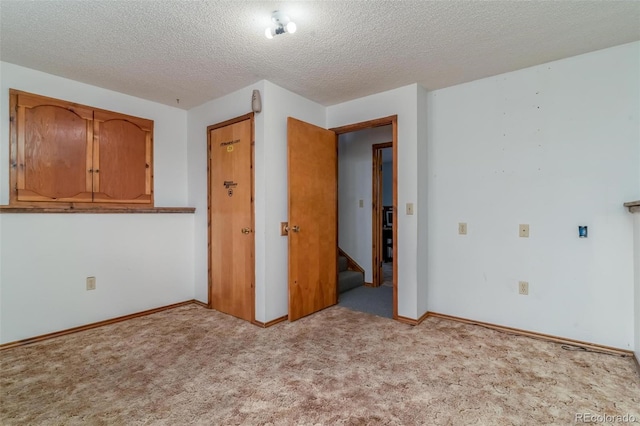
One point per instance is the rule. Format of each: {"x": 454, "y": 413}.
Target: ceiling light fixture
{"x": 282, "y": 25}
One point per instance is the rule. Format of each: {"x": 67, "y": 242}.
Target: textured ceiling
{"x": 197, "y": 51}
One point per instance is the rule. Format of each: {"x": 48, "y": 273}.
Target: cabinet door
{"x": 122, "y": 159}
{"x": 54, "y": 150}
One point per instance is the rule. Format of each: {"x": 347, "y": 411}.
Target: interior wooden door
{"x": 313, "y": 218}
{"x": 231, "y": 236}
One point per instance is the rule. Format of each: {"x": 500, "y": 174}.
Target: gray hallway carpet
{"x": 372, "y": 300}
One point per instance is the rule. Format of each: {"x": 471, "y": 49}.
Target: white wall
{"x": 636, "y": 323}
{"x": 554, "y": 146}
{"x": 355, "y": 184}
{"x": 141, "y": 261}
{"x": 270, "y": 185}
{"x": 426, "y": 162}
{"x": 233, "y": 105}
{"x": 278, "y": 105}
{"x": 402, "y": 102}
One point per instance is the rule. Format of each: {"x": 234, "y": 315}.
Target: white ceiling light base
{"x": 282, "y": 25}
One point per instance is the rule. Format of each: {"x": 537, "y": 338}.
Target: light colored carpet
{"x": 190, "y": 365}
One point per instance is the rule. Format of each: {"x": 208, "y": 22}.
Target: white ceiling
{"x": 200, "y": 50}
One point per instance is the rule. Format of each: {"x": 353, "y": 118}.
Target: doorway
{"x": 230, "y": 179}
{"x": 310, "y": 287}
{"x": 382, "y": 192}
{"x": 372, "y": 254}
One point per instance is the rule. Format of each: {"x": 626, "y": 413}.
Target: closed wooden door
{"x": 313, "y": 218}
{"x": 231, "y": 240}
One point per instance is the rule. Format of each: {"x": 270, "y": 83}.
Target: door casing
{"x": 377, "y": 219}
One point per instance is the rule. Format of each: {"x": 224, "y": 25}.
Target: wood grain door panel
{"x": 231, "y": 219}
{"x": 313, "y": 207}
{"x": 54, "y": 154}
{"x": 121, "y": 159}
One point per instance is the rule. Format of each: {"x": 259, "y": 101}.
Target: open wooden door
{"x": 313, "y": 218}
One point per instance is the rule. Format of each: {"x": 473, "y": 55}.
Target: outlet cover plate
{"x": 523, "y": 287}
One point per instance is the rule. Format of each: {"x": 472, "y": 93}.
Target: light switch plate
{"x": 523, "y": 229}
{"x": 409, "y": 208}
{"x": 462, "y": 228}
{"x": 361, "y": 203}
{"x": 91, "y": 283}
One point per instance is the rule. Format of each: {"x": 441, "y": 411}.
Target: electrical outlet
{"x": 462, "y": 228}
{"x": 91, "y": 283}
{"x": 523, "y": 287}
{"x": 524, "y": 230}
{"x": 409, "y": 209}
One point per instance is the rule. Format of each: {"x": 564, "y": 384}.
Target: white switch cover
{"x": 462, "y": 228}
{"x": 409, "y": 208}
{"x": 524, "y": 230}
{"x": 361, "y": 203}
{"x": 91, "y": 283}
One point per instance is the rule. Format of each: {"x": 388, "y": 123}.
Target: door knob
{"x": 295, "y": 228}
{"x": 246, "y": 230}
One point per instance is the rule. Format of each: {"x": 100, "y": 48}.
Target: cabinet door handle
{"x": 246, "y": 230}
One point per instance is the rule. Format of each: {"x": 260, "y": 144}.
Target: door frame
{"x": 249, "y": 116}
{"x": 377, "y": 219}
{"x": 385, "y": 121}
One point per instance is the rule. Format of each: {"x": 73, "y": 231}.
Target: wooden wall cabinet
{"x": 64, "y": 153}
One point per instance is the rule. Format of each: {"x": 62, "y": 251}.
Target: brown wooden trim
{"x": 270, "y": 323}
{"x": 252, "y": 164}
{"x": 376, "y": 216}
{"x": 13, "y": 146}
{"x": 106, "y": 210}
{"x": 93, "y": 325}
{"x": 376, "y": 220}
{"x": 412, "y": 321}
{"x": 199, "y": 303}
{"x": 394, "y": 232}
{"x": 384, "y": 121}
{"x": 635, "y": 358}
{"x": 226, "y": 123}
{"x": 366, "y": 284}
{"x": 536, "y": 335}
{"x": 352, "y": 265}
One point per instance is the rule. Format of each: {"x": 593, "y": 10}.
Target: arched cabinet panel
{"x": 64, "y": 153}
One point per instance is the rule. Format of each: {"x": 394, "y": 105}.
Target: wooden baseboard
{"x": 204, "y": 305}
{"x": 562, "y": 340}
{"x": 95, "y": 325}
{"x": 635, "y": 358}
{"x": 412, "y": 321}
{"x": 270, "y": 323}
